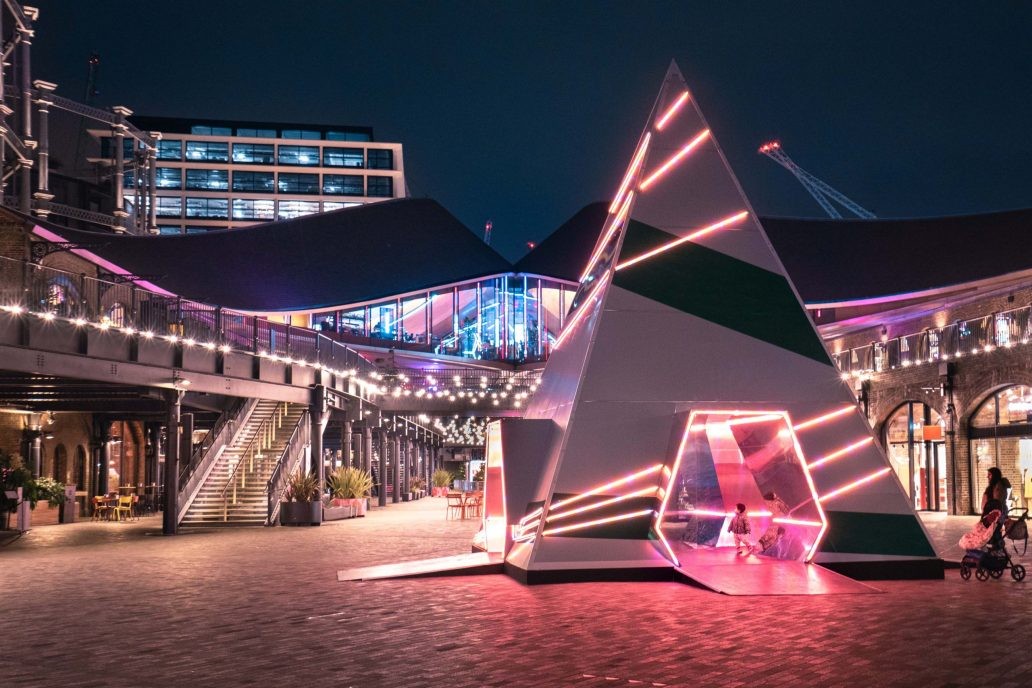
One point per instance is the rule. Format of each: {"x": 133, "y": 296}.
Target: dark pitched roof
{"x": 565, "y": 252}
{"x": 844, "y": 260}
{"x": 344, "y": 256}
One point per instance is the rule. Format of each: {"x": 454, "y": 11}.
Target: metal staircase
{"x": 234, "y": 491}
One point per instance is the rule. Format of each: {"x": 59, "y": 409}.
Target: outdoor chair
{"x": 456, "y": 505}
{"x": 101, "y": 509}
{"x": 124, "y": 507}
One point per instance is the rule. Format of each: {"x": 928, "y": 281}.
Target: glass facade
{"x": 253, "y": 209}
{"x": 254, "y": 182}
{"x": 291, "y": 209}
{"x": 343, "y": 185}
{"x": 207, "y": 180}
{"x": 343, "y": 157}
{"x": 170, "y": 149}
{"x": 380, "y": 186}
{"x": 495, "y": 318}
{"x": 381, "y": 159}
{"x": 1001, "y": 436}
{"x": 207, "y": 151}
{"x": 914, "y": 442}
{"x": 213, "y": 208}
{"x": 254, "y": 153}
{"x": 169, "y": 206}
{"x": 169, "y": 178}
{"x": 291, "y": 183}
{"x": 298, "y": 155}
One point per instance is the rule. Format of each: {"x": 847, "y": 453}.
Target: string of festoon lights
{"x": 506, "y": 389}
{"x": 866, "y": 374}
{"x": 463, "y": 431}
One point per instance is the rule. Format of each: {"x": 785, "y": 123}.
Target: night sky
{"x": 523, "y": 112}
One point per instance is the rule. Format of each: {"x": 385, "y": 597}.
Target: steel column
{"x": 170, "y": 521}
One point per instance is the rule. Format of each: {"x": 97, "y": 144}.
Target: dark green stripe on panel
{"x": 719, "y": 288}
{"x": 866, "y": 533}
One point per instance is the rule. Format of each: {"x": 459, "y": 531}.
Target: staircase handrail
{"x": 233, "y": 417}
{"x": 236, "y": 478}
{"x": 277, "y": 481}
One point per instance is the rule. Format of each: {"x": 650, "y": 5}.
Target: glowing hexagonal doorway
{"x": 748, "y": 457}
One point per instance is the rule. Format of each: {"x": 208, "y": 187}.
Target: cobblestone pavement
{"x": 113, "y": 604}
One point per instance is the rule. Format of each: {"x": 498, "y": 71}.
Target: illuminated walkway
{"x": 240, "y": 607}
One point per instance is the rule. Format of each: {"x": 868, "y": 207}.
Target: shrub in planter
{"x": 301, "y": 505}
{"x": 440, "y": 480}
{"x": 350, "y": 486}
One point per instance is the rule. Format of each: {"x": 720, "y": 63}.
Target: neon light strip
{"x": 797, "y": 522}
{"x": 671, "y": 111}
{"x": 426, "y": 302}
{"x": 635, "y": 163}
{"x": 588, "y": 524}
{"x": 678, "y": 157}
{"x": 670, "y": 551}
{"x": 614, "y": 225}
{"x": 841, "y": 452}
{"x": 733, "y": 219}
{"x": 533, "y": 514}
{"x": 849, "y": 487}
{"x": 600, "y": 488}
{"x": 821, "y": 419}
{"x": 755, "y": 419}
{"x": 524, "y": 527}
{"x": 572, "y": 324}
{"x": 673, "y": 474}
{"x": 598, "y": 505}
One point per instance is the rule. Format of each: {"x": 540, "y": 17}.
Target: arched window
{"x": 116, "y": 315}
{"x": 1001, "y": 436}
{"x": 61, "y": 297}
{"x": 914, "y": 442}
{"x": 60, "y": 464}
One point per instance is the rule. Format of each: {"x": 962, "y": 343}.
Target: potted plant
{"x": 441, "y": 479}
{"x": 417, "y": 486}
{"x": 14, "y": 480}
{"x": 351, "y": 487}
{"x": 301, "y": 503}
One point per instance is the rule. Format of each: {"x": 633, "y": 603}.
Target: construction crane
{"x": 488, "y": 226}
{"x": 821, "y": 192}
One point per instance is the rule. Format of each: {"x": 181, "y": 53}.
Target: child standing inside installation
{"x": 739, "y": 526}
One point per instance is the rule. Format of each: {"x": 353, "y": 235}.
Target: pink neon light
{"x": 671, "y": 111}
{"x": 670, "y": 550}
{"x": 598, "y": 505}
{"x": 635, "y": 163}
{"x": 841, "y": 452}
{"x": 798, "y": 522}
{"x": 849, "y": 487}
{"x": 678, "y": 157}
{"x": 727, "y": 221}
{"x": 533, "y": 514}
{"x": 614, "y": 225}
{"x": 579, "y": 315}
{"x": 596, "y": 522}
{"x": 746, "y": 420}
{"x": 601, "y": 488}
{"x": 822, "y": 419}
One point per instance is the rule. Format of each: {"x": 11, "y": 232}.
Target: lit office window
{"x": 207, "y": 180}
{"x": 170, "y": 149}
{"x": 327, "y": 206}
{"x": 169, "y": 229}
{"x": 257, "y": 133}
{"x": 107, "y": 148}
{"x": 169, "y": 206}
{"x": 253, "y": 209}
{"x": 301, "y": 134}
{"x": 198, "y": 230}
{"x": 254, "y": 153}
{"x": 129, "y": 179}
{"x": 169, "y": 178}
{"x": 347, "y": 136}
{"x": 256, "y": 182}
{"x": 298, "y": 155}
{"x": 291, "y": 209}
{"x": 207, "y": 151}
{"x": 343, "y": 185}
{"x": 380, "y": 158}
{"x": 380, "y": 187}
{"x": 211, "y": 208}
{"x": 201, "y": 130}
{"x": 289, "y": 183}
{"x": 343, "y": 157}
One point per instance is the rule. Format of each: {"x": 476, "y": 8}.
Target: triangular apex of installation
{"x": 687, "y": 356}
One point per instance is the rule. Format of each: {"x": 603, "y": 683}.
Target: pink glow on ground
{"x": 726, "y": 222}
{"x": 677, "y": 157}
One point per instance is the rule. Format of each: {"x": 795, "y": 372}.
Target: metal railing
{"x": 133, "y": 308}
{"x": 1004, "y": 329}
{"x": 263, "y": 437}
{"x": 241, "y": 408}
{"x": 294, "y": 449}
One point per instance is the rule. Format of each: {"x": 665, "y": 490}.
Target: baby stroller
{"x": 1015, "y": 529}
{"x": 991, "y": 559}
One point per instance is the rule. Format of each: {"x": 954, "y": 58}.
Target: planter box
{"x": 300, "y": 513}
{"x": 406, "y": 496}
{"x": 439, "y": 492}
{"x": 336, "y": 513}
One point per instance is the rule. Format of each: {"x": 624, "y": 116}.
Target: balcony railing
{"x": 127, "y": 306}
{"x": 1005, "y": 329}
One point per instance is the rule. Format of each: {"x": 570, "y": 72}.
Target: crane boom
{"x": 821, "y": 191}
